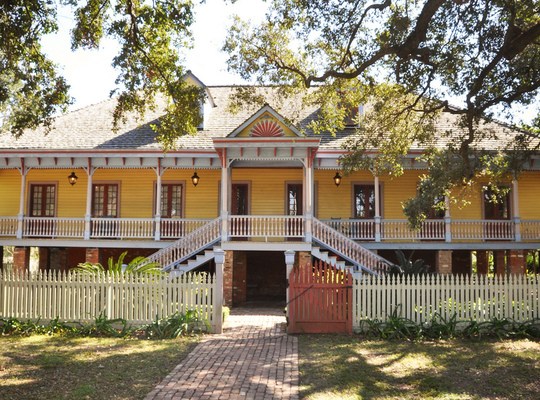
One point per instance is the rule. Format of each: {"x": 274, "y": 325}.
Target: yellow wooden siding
{"x": 10, "y": 181}
{"x": 70, "y": 200}
{"x": 267, "y": 187}
{"x": 395, "y": 191}
{"x": 529, "y": 195}
{"x": 337, "y": 202}
{"x": 201, "y": 201}
{"x": 267, "y": 192}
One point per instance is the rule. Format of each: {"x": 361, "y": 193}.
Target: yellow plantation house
{"x": 249, "y": 183}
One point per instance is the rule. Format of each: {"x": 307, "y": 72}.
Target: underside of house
{"x": 250, "y": 183}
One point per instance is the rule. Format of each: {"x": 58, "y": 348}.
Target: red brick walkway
{"x": 253, "y": 359}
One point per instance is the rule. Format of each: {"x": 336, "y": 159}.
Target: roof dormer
{"x": 208, "y": 103}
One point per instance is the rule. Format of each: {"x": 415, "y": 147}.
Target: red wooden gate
{"x": 320, "y": 299}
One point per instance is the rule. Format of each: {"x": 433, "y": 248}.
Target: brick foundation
{"x": 516, "y": 262}
{"x": 58, "y": 257}
{"x": 444, "y": 262}
{"x": 228, "y": 278}
{"x": 92, "y": 255}
{"x": 499, "y": 258}
{"x": 43, "y": 258}
{"x": 239, "y": 278}
{"x": 482, "y": 262}
{"x": 21, "y": 258}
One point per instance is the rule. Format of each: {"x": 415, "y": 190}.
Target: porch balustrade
{"x": 8, "y": 226}
{"x": 484, "y": 229}
{"x": 268, "y": 227}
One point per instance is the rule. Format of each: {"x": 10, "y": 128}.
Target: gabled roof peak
{"x": 265, "y": 128}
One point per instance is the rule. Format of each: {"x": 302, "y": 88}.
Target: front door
{"x": 240, "y": 206}
{"x": 295, "y": 207}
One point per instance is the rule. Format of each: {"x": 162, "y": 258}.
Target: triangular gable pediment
{"x": 266, "y": 122}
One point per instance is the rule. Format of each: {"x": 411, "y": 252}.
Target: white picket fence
{"x": 71, "y": 296}
{"x": 469, "y": 297}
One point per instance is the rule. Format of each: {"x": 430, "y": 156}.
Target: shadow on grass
{"x": 42, "y": 367}
{"x": 347, "y": 367}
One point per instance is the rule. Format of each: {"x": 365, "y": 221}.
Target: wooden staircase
{"x": 196, "y": 248}
{"x": 360, "y": 258}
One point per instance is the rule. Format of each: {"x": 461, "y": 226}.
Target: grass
{"x": 342, "y": 367}
{"x": 56, "y": 367}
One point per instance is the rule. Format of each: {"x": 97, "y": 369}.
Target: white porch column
{"x": 447, "y": 220}
{"x": 308, "y": 196}
{"x": 22, "y": 201}
{"x": 289, "y": 262}
{"x": 225, "y": 189}
{"x": 157, "y": 216}
{"x": 219, "y": 258}
{"x": 515, "y": 208}
{"x": 88, "y": 213}
{"x": 377, "y": 210}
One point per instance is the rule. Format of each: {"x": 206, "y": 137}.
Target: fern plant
{"x": 406, "y": 265}
{"x": 139, "y": 265}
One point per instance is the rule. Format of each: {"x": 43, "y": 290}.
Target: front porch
{"x": 268, "y": 228}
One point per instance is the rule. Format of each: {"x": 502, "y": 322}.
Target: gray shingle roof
{"x": 91, "y": 127}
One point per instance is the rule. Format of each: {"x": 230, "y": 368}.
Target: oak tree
{"x": 408, "y": 62}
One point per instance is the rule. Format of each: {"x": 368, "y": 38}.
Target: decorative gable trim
{"x": 266, "y": 127}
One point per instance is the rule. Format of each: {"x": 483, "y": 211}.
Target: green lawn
{"x": 331, "y": 367}
{"x": 54, "y": 367}
{"x": 341, "y": 367}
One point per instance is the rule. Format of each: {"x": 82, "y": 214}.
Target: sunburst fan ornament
{"x": 266, "y": 128}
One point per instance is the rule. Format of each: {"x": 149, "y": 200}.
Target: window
{"x": 42, "y": 200}
{"x": 105, "y": 200}
{"x": 364, "y": 201}
{"x": 496, "y": 205}
{"x": 171, "y": 200}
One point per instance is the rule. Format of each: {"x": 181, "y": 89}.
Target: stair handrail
{"x": 349, "y": 249}
{"x": 187, "y": 246}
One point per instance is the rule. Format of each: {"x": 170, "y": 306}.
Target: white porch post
{"x": 515, "y": 208}
{"x": 22, "y": 201}
{"x": 447, "y": 220}
{"x": 219, "y": 258}
{"x": 377, "y": 210}
{"x": 289, "y": 262}
{"x": 308, "y": 196}
{"x": 88, "y": 214}
{"x": 157, "y": 216}
{"x": 224, "y": 209}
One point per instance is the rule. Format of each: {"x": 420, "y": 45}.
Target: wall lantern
{"x": 337, "y": 179}
{"x": 195, "y": 179}
{"x": 72, "y": 178}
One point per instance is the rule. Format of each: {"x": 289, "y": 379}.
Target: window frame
{"x": 118, "y": 198}
{"x": 30, "y": 207}
{"x": 183, "y": 197}
{"x": 353, "y": 199}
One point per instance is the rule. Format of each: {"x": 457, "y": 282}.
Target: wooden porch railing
{"x": 53, "y": 227}
{"x": 393, "y": 229}
{"x": 8, "y": 226}
{"x": 189, "y": 245}
{"x": 349, "y": 249}
{"x": 266, "y": 226}
{"x": 484, "y": 229}
{"x": 530, "y": 229}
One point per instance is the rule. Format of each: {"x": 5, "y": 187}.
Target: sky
{"x": 91, "y": 77}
